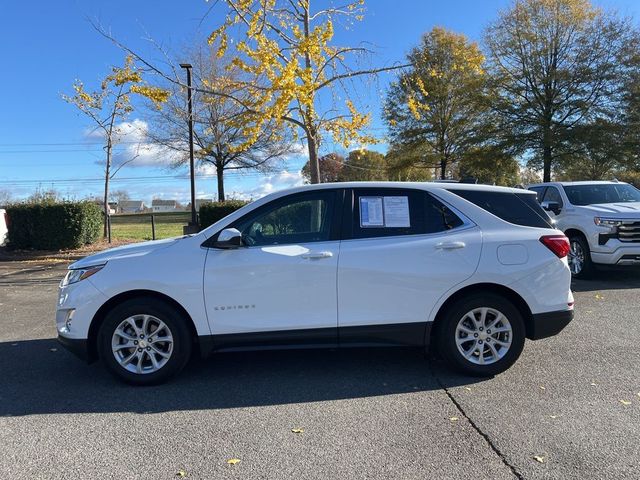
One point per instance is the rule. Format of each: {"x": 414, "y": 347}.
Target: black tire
{"x": 446, "y": 335}
{"x": 579, "y": 242}
{"x": 180, "y": 351}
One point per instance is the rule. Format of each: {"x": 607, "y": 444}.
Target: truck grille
{"x": 629, "y": 231}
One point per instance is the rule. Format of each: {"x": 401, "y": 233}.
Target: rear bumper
{"x": 77, "y": 346}
{"x": 547, "y": 324}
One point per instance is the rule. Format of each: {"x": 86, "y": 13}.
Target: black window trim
{"x": 349, "y": 212}
{"x": 335, "y": 232}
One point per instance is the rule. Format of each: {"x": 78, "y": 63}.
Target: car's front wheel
{"x": 482, "y": 335}
{"x": 144, "y": 341}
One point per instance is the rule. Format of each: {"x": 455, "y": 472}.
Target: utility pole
{"x": 193, "y": 225}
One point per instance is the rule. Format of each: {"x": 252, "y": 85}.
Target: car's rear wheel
{"x": 144, "y": 341}
{"x": 579, "y": 257}
{"x": 481, "y": 335}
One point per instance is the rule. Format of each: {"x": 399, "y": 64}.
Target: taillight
{"x": 558, "y": 244}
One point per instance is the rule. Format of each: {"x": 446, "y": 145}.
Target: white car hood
{"x": 126, "y": 251}
{"x": 619, "y": 210}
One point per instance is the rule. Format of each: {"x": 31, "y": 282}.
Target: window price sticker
{"x": 396, "y": 212}
{"x": 386, "y": 212}
{"x": 371, "y": 212}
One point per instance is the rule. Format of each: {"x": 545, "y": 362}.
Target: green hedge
{"x": 210, "y": 213}
{"x": 53, "y": 226}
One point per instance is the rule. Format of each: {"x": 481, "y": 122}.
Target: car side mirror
{"x": 228, "y": 238}
{"x": 552, "y": 207}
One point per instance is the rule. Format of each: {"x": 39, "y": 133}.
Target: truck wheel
{"x": 579, "y": 258}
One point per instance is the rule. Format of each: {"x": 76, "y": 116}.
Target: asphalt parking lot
{"x": 570, "y": 408}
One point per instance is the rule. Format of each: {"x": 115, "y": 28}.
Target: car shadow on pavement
{"x": 40, "y": 377}
{"x": 609, "y": 279}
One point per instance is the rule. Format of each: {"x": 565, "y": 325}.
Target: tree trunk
{"x": 220, "y": 178}
{"x": 314, "y": 165}
{"x": 443, "y": 168}
{"x": 546, "y": 151}
{"x": 107, "y": 171}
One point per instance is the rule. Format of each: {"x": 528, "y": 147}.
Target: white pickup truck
{"x": 601, "y": 219}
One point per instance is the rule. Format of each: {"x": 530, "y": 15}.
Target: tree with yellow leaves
{"x": 216, "y": 138}
{"x": 110, "y": 104}
{"x": 434, "y": 109}
{"x": 287, "y": 49}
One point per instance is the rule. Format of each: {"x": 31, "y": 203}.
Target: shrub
{"x": 53, "y": 226}
{"x": 210, "y": 213}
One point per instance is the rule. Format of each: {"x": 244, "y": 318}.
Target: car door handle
{"x": 316, "y": 255}
{"x": 450, "y": 245}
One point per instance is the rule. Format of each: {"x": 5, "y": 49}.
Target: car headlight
{"x": 607, "y": 222}
{"x": 77, "y": 274}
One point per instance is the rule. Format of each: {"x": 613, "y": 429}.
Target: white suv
{"x": 472, "y": 270}
{"x": 601, "y": 219}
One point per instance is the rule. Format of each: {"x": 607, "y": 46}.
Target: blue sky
{"x": 46, "y": 45}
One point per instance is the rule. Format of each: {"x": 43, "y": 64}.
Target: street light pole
{"x": 193, "y": 225}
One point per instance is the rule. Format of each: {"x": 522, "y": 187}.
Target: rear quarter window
{"x": 517, "y": 208}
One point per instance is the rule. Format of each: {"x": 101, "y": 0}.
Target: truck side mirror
{"x": 552, "y": 207}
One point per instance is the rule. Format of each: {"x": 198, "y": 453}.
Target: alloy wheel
{"x": 142, "y": 344}
{"x": 576, "y": 257}
{"x": 483, "y": 336}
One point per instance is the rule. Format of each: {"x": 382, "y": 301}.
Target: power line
{"x": 141, "y": 180}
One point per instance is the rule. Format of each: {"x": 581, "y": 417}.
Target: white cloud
{"x": 270, "y": 184}
{"x": 131, "y": 142}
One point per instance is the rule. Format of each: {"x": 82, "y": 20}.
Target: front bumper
{"x": 627, "y": 254}
{"x": 77, "y": 346}
{"x": 547, "y": 324}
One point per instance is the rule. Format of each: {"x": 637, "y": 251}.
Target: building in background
{"x": 158, "y": 205}
{"x": 131, "y": 206}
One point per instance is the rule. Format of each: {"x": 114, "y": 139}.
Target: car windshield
{"x": 602, "y": 193}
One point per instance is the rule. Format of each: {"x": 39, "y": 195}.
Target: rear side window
{"x": 389, "y": 212}
{"x": 517, "y": 208}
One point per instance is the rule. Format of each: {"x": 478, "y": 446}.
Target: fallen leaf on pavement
{"x": 181, "y": 474}
{"x": 593, "y": 384}
{"x": 625, "y": 402}
{"x": 542, "y": 388}
{"x": 553, "y": 416}
{"x": 538, "y": 458}
{"x": 233, "y": 461}
{"x": 297, "y": 430}
{"x": 454, "y": 419}
{"x": 467, "y": 388}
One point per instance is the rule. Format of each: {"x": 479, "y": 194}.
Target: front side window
{"x": 391, "y": 212}
{"x": 539, "y": 192}
{"x": 553, "y": 195}
{"x": 301, "y": 219}
{"x": 601, "y": 193}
